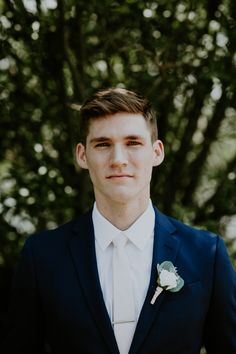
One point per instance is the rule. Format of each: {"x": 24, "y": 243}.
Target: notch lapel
{"x": 82, "y": 248}
{"x": 165, "y": 249}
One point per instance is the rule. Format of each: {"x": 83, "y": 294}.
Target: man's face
{"x": 120, "y": 155}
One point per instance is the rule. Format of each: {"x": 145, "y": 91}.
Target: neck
{"x": 123, "y": 215}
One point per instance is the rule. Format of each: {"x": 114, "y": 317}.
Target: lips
{"x": 119, "y": 175}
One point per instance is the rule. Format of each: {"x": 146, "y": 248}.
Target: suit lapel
{"x": 82, "y": 247}
{"x": 165, "y": 248}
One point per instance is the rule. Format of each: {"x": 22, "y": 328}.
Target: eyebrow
{"x": 104, "y": 138}
{"x": 134, "y": 137}
{"x": 99, "y": 139}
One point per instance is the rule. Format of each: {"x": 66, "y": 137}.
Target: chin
{"x": 121, "y": 197}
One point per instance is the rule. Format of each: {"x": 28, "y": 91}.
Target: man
{"x": 78, "y": 291}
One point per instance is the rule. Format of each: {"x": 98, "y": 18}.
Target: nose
{"x": 119, "y": 157}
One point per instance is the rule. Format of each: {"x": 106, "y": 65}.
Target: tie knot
{"x": 120, "y": 241}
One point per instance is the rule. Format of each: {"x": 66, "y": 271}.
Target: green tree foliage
{"x": 55, "y": 53}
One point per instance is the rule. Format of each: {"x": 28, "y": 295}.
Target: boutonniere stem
{"x": 156, "y": 294}
{"x": 168, "y": 279}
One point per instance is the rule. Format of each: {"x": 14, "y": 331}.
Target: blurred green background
{"x": 54, "y": 54}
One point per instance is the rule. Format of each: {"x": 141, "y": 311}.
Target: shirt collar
{"x": 138, "y": 233}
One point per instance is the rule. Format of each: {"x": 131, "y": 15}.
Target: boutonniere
{"x": 168, "y": 279}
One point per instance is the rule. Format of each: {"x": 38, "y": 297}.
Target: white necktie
{"x": 123, "y": 298}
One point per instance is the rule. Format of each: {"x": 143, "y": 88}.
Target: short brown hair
{"x": 114, "y": 100}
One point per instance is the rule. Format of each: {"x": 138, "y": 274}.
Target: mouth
{"x": 119, "y": 176}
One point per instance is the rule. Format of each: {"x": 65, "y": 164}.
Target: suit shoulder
{"x": 195, "y": 241}
{"x": 51, "y": 235}
{"x": 186, "y": 232}
{"x": 60, "y": 234}
{"x": 191, "y": 230}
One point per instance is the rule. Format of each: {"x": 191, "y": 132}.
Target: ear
{"x": 81, "y": 156}
{"x": 158, "y": 151}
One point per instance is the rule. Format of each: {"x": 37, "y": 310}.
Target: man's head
{"x": 120, "y": 146}
{"x": 116, "y": 100}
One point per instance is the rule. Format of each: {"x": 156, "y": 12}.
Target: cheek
{"x": 145, "y": 167}
{"x": 94, "y": 162}
{"x": 144, "y": 161}
{"x": 96, "y": 168}
{"x": 94, "y": 176}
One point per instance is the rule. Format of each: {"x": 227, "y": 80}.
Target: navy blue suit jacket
{"x": 57, "y": 300}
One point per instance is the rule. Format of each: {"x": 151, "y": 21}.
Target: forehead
{"x": 119, "y": 125}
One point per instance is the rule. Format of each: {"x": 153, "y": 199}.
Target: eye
{"x": 104, "y": 144}
{"x": 133, "y": 143}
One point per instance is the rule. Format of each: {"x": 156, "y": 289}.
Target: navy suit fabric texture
{"x": 57, "y": 305}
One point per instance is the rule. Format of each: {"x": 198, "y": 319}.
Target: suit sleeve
{"x": 23, "y": 333}
{"x": 220, "y": 329}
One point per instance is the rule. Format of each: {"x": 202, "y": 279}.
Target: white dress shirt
{"x": 139, "y": 249}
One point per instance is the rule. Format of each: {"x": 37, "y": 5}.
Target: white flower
{"x": 168, "y": 280}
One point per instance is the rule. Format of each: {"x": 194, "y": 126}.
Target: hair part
{"x": 113, "y": 100}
